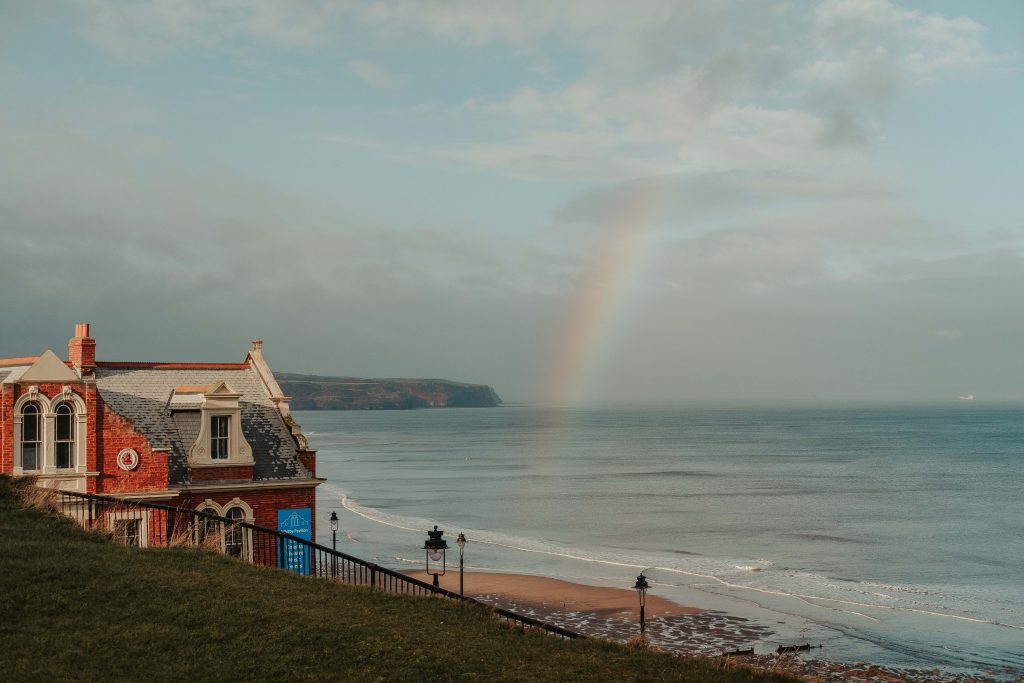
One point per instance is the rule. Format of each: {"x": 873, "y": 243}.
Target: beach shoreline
{"x": 613, "y": 614}
{"x": 606, "y": 612}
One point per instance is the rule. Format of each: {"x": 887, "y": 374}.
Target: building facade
{"x": 211, "y": 436}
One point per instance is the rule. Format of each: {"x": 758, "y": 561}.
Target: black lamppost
{"x": 641, "y": 590}
{"x": 461, "y": 542}
{"x": 435, "y": 547}
{"x": 334, "y": 542}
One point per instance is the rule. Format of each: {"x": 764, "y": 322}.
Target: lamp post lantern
{"x": 435, "y": 548}
{"x": 461, "y": 542}
{"x": 641, "y": 590}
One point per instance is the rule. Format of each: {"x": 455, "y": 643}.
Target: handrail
{"x": 268, "y": 547}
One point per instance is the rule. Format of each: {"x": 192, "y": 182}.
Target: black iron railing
{"x": 154, "y": 525}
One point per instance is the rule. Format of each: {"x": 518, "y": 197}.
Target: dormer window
{"x": 220, "y": 436}
{"x": 31, "y": 436}
{"x": 220, "y": 440}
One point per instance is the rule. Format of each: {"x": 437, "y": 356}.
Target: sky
{"x": 577, "y": 201}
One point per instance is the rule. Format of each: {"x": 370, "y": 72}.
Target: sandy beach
{"x": 612, "y": 613}
{"x": 544, "y": 593}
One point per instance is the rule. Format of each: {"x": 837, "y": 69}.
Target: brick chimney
{"x": 82, "y": 350}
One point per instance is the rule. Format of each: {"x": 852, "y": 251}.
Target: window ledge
{"x": 223, "y": 463}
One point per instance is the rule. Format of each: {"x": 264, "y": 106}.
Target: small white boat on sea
{"x": 968, "y": 397}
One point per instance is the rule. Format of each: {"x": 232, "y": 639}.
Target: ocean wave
{"x": 742, "y": 576}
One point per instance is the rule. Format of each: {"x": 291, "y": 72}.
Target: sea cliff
{"x": 312, "y": 392}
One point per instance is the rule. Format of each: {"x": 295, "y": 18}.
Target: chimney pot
{"x": 257, "y": 344}
{"x": 82, "y": 349}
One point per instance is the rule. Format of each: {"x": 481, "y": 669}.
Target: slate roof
{"x": 142, "y": 395}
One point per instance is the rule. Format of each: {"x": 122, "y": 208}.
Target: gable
{"x": 49, "y": 368}
{"x": 221, "y": 389}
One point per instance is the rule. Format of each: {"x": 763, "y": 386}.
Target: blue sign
{"x": 291, "y": 555}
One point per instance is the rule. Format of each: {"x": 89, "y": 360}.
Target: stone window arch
{"x": 238, "y": 539}
{"x": 229, "y": 538}
{"x": 206, "y": 531}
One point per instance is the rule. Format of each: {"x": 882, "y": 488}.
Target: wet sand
{"x": 613, "y": 614}
{"x": 543, "y": 593}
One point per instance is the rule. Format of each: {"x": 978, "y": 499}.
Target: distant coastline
{"x": 314, "y": 392}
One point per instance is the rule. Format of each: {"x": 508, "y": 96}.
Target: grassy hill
{"x": 75, "y": 606}
{"x": 313, "y": 392}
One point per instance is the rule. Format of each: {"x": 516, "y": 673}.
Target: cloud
{"x": 142, "y": 31}
{"x": 547, "y": 155}
{"x": 674, "y": 86}
{"x": 861, "y": 38}
{"x": 693, "y": 198}
{"x": 783, "y": 261}
{"x": 375, "y": 75}
{"x": 831, "y": 296}
{"x": 146, "y": 256}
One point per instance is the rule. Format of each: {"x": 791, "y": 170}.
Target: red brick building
{"x": 211, "y": 436}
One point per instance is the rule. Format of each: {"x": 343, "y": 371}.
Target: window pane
{"x": 30, "y": 423}
{"x": 219, "y": 425}
{"x": 207, "y": 530}
{"x": 64, "y": 460}
{"x": 29, "y": 456}
{"x": 128, "y": 531}
{"x": 233, "y": 541}
{"x": 65, "y": 422}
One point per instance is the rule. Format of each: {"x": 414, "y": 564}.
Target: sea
{"x": 892, "y": 535}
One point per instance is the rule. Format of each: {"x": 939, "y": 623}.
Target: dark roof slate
{"x": 142, "y": 395}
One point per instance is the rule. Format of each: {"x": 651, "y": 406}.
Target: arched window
{"x": 64, "y": 443}
{"x": 31, "y": 436}
{"x": 234, "y": 539}
{"x": 206, "y": 530}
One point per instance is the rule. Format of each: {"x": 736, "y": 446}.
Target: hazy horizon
{"x": 574, "y": 202}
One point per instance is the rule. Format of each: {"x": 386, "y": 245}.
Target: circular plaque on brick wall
{"x": 127, "y": 459}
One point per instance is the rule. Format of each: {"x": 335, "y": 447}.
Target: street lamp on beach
{"x": 435, "y": 548}
{"x": 461, "y": 542}
{"x": 641, "y": 590}
{"x": 334, "y": 541}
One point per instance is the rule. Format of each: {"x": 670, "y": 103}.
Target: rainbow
{"x": 599, "y": 293}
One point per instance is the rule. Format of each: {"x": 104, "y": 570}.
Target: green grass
{"x": 75, "y": 606}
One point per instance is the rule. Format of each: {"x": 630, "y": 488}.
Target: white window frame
{"x": 217, "y": 438}
{"x": 19, "y": 441}
{"x": 141, "y": 516}
{"x": 73, "y": 440}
